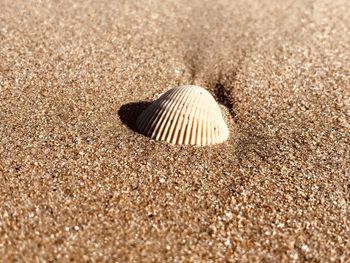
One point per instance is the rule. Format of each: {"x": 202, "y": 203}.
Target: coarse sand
{"x": 77, "y": 183}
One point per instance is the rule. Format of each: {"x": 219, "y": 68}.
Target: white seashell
{"x": 184, "y": 115}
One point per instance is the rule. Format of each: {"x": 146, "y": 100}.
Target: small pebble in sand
{"x": 184, "y": 115}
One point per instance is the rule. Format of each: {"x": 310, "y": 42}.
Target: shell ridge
{"x": 191, "y": 120}
{"x": 199, "y": 127}
{"x": 159, "y": 121}
{"x": 148, "y": 126}
{"x": 171, "y": 121}
{"x": 164, "y": 101}
{"x": 145, "y": 116}
{"x": 174, "y": 132}
{"x": 186, "y": 116}
{"x": 170, "y": 116}
{"x": 209, "y": 127}
{"x": 145, "y": 126}
{"x": 167, "y": 113}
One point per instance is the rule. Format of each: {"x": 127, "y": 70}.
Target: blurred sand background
{"x": 77, "y": 183}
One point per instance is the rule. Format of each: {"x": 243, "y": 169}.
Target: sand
{"x": 78, "y": 183}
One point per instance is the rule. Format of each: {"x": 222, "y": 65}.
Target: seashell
{"x": 184, "y": 115}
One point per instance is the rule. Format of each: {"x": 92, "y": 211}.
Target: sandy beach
{"x": 78, "y": 182}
